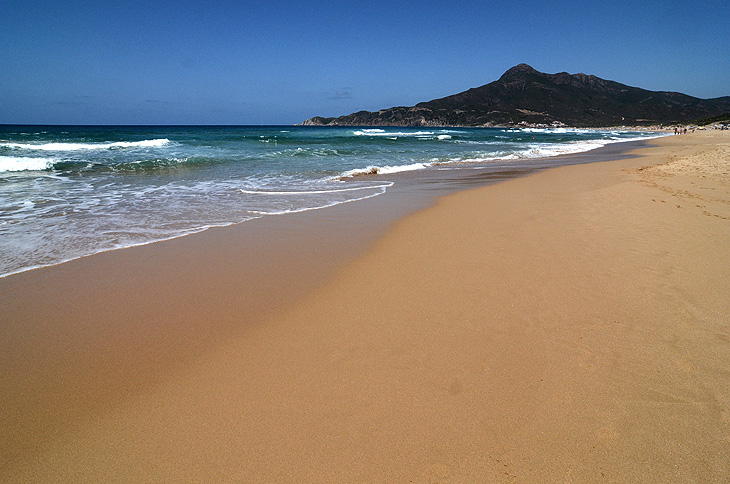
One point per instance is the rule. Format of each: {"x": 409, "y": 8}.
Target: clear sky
{"x": 251, "y": 62}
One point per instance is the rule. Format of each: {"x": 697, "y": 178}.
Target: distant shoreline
{"x": 501, "y": 126}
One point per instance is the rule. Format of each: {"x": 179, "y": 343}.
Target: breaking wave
{"x": 150, "y": 143}
{"x": 536, "y": 150}
{"x": 12, "y": 163}
{"x": 384, "y": 170}
{"x": 382, "y": 132}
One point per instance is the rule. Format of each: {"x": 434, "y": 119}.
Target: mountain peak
{"x": 520, "y": 68}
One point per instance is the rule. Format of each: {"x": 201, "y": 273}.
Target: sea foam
{"x": 384, "y": 170}
{"x": 314, "y": 192}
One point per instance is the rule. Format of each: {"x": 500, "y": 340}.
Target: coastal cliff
{"x": 524, "y": 95}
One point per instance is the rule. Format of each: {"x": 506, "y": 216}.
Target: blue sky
{"x": 228, "y": 62}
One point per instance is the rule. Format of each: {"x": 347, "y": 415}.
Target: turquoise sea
{"x": 71, "y": 191}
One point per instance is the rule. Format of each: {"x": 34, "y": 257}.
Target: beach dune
{"x": 567, "y": 326}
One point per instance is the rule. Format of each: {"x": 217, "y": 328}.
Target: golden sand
{"x": 570, "y": 326}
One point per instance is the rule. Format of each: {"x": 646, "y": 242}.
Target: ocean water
{"x": 71, "y": 191}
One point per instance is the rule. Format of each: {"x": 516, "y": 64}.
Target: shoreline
{"x": 527, "y": 164}
{"x": 322, "y": 384}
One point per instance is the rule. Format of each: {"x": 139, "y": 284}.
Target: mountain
{"x": 525, "y": 95}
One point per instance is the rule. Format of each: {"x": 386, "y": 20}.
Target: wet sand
{"x": 568, "y": 326}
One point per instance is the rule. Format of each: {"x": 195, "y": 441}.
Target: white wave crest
{"x": 12, "y": 163}
{"x": 556, "y": 130}
{"x": 382, "y": 132}
{"x": 149, "y": 143}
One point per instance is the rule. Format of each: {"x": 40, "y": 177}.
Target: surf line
{"x": 313, "y": 192}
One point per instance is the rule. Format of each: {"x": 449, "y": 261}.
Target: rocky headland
{"x": 525, "y": 96}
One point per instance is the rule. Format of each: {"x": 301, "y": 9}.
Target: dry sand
{"x": 569, "y": 326}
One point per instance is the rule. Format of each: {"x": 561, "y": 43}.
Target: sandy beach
{"x": 567, "y": 326}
